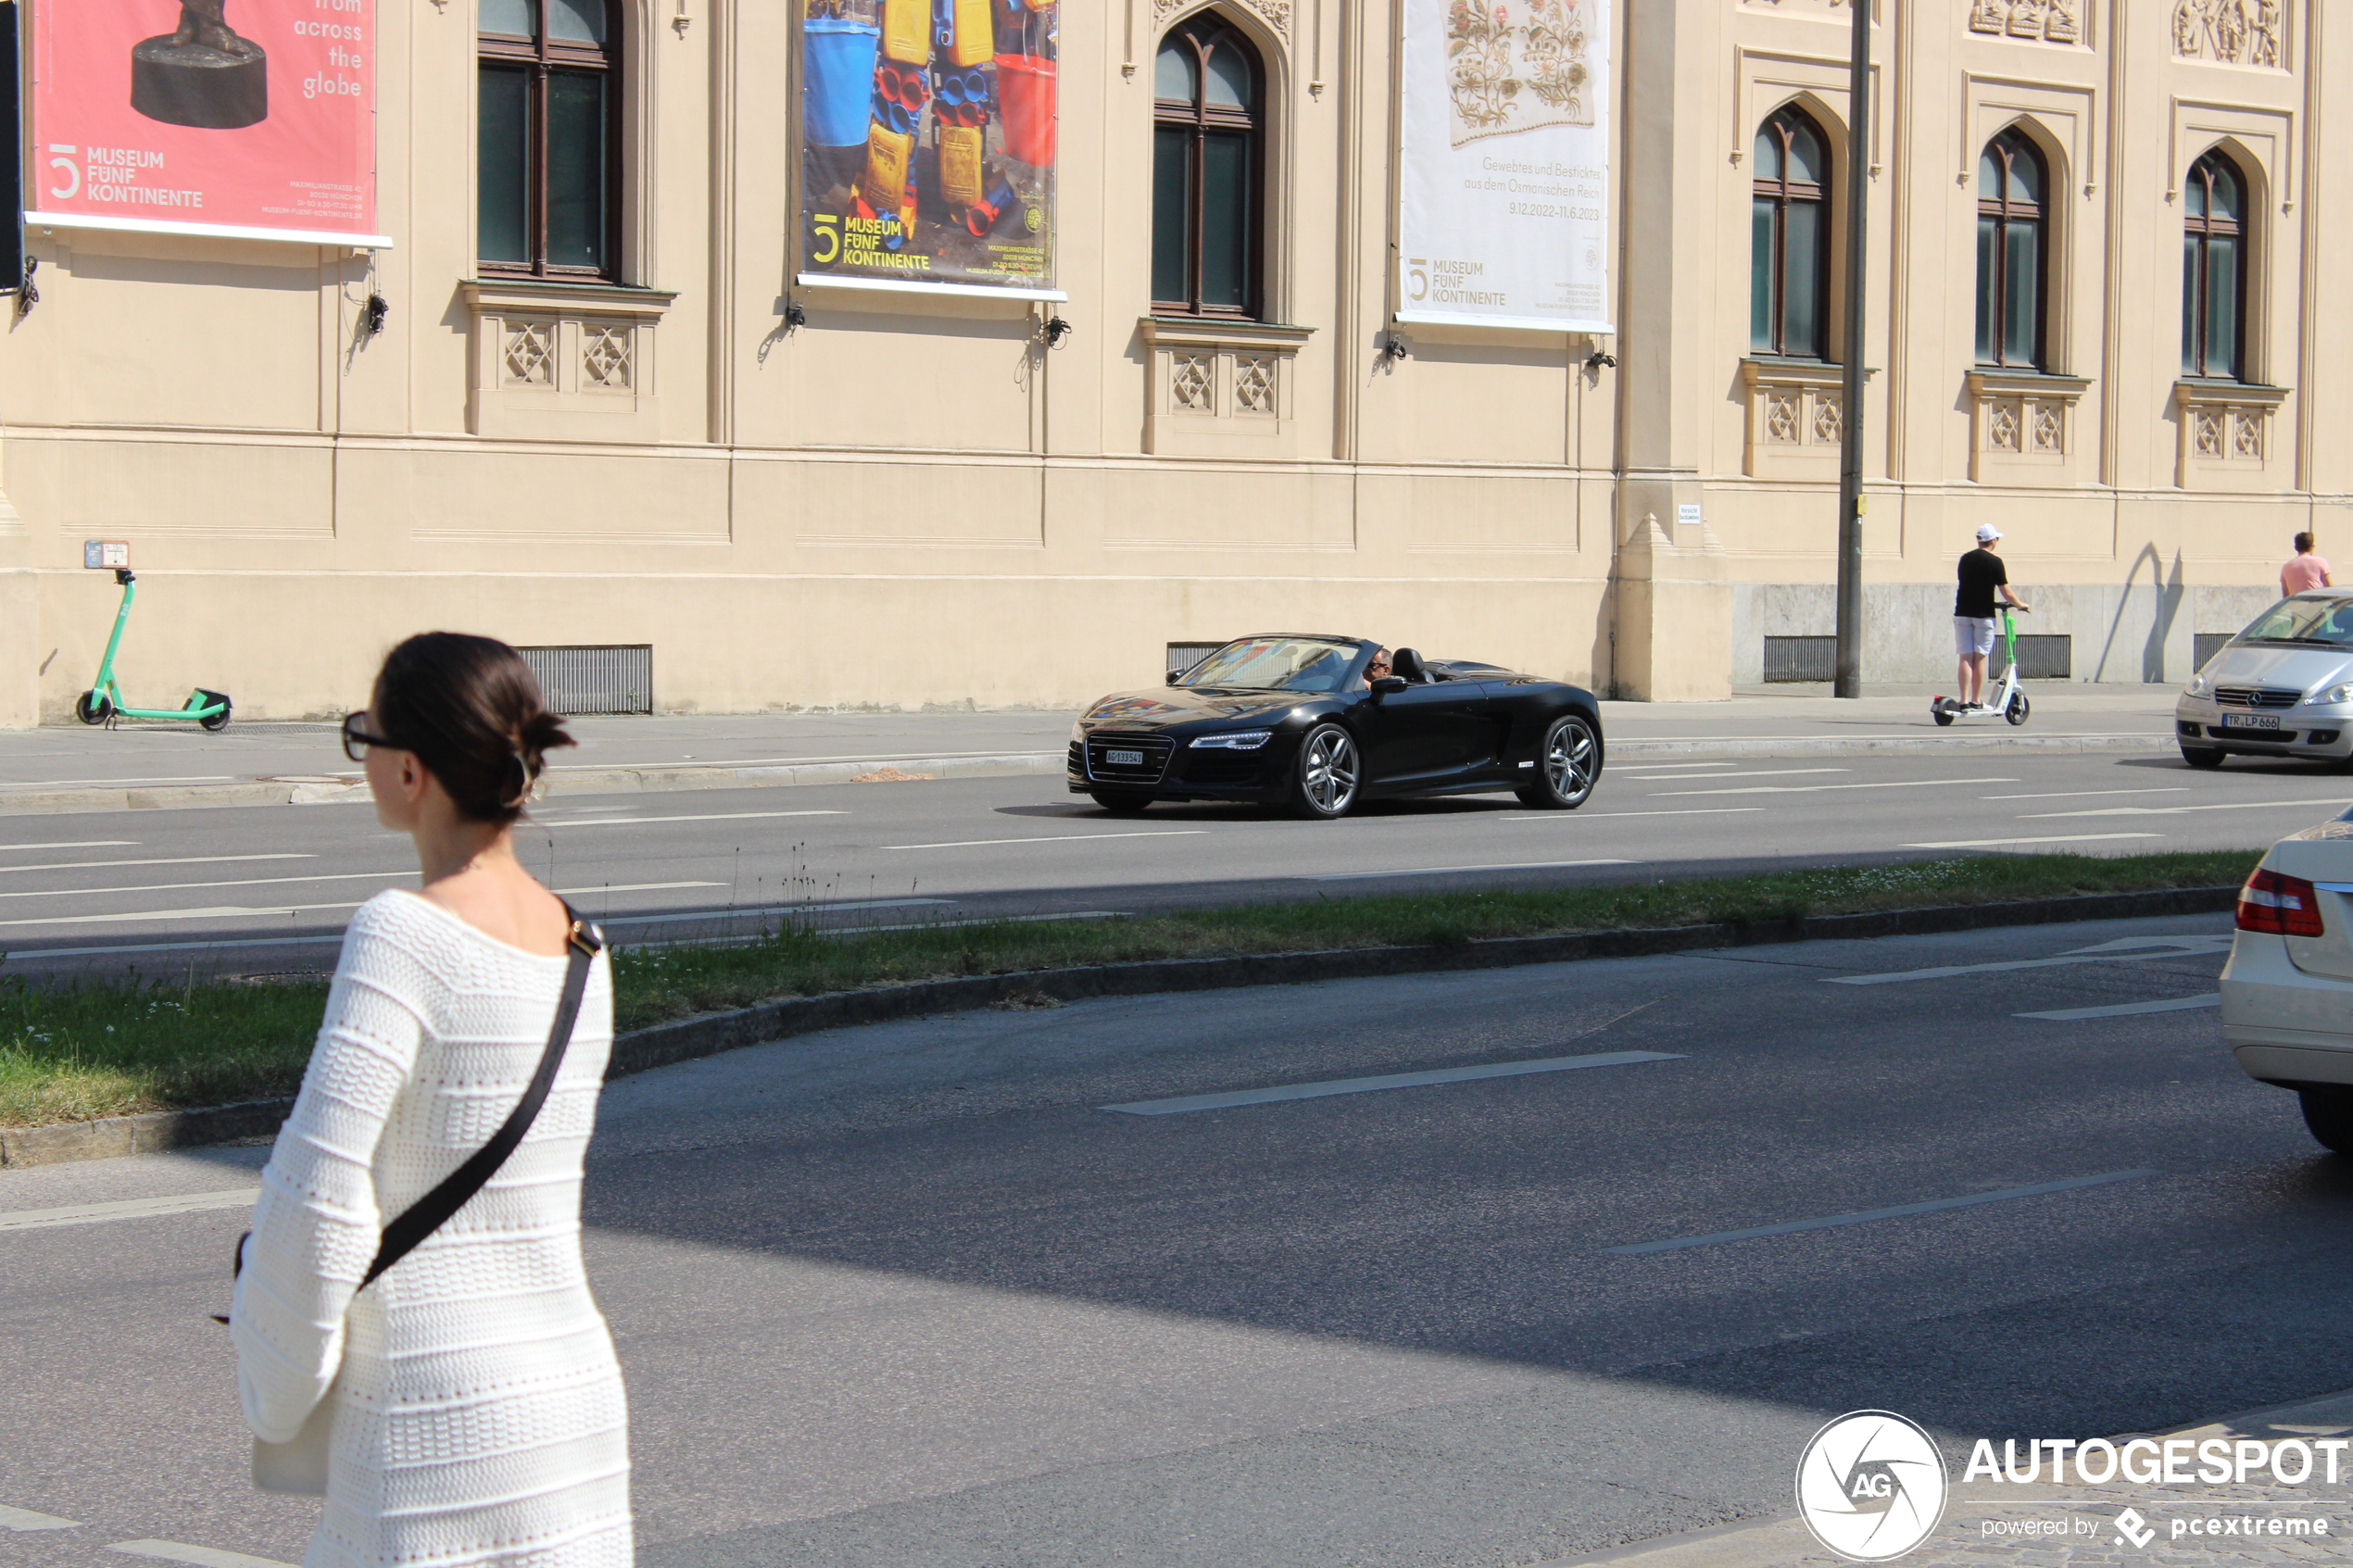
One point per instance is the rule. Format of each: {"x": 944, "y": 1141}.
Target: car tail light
{"x": 2284, "y": 905}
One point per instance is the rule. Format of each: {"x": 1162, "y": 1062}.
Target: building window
{"x": 2011, "y": 178}
{"x": 547, "y": 157}
{"x": 1789, "y": 275}
{"x": 1206, "y": 123}
{"x": 2214, "y": 270}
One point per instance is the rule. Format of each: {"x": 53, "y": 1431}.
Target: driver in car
{"x": 1378, "y": 668}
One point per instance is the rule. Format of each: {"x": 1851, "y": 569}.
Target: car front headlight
{"x": 2197, "y": 686}
{"x": 1077, "y": 730}
{"x": 2331, "y": 697}
{"x": 1233, "y": 740}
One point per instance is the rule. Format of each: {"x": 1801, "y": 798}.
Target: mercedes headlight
{"x": 2197, "y": 686}
{"x": 1233, "y": 740}
{"x": 2331, "y": 697}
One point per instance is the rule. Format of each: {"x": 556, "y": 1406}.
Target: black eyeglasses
{"x": 355, "y": 738}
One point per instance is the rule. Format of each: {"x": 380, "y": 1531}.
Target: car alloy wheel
{"x": 1326, "y": 783}
{"x": 1568, "y": 765}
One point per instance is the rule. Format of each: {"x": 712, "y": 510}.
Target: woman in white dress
{"x": 477, "y": 1409}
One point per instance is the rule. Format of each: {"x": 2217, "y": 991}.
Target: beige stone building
{"x": 2098, "y": 295}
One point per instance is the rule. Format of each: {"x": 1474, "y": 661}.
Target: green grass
{"x": 73, "y": 1053}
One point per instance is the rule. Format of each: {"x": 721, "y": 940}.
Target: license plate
{"x": 1136, "y": 758}
{"x": 2250, "y": 721}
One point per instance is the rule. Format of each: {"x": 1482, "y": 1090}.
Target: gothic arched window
{"x": 1789, "y": 276}
{"x": 1206, "y": 171}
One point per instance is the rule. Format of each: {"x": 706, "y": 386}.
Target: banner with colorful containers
{"x": 927, "y": 142}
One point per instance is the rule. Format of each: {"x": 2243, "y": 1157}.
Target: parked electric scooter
{"x": 2011, "y": 704}
{"x": 103, "y": 701}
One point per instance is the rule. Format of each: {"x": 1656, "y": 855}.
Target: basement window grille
{"x": 608, "y": 679}
{"x": 2209, "y": 644}
{"x": 1184, "y": 656}
{"x": 1801, "y": 659}
{"x": 2045, "y": 658}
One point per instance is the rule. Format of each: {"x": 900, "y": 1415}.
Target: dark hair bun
{"x": 469, "y": 708}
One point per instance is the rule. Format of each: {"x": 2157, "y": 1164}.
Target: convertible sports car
{"x": 1288, "y": 719}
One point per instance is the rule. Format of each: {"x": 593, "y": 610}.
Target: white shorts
{"x": 1972, "y": 635}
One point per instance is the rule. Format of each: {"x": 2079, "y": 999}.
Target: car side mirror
{"x": 1389, "y": 684}
{"x": 1174, "y": 676}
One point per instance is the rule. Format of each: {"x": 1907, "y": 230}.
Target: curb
{"x": 326, "y": 791}
{"x": 641, "y": 1051}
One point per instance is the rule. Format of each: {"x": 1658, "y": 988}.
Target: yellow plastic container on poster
{"x": 960, "y": 174}
{"x": 976, "y": 33}
{"x": 906, "y": 34}
{"x": 887, "y": 151}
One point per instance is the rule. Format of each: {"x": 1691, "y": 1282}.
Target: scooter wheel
{"x": 1941, "y": 711}
{"x": 93, "y": 707}
{"x": 219, "y": 720}
{"x": 2018, "y": 708}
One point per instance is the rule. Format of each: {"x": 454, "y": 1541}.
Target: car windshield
{"x": 1294, "y": 664}
{"x": 2304, "y": 622}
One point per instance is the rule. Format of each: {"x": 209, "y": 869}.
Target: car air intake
{"x": 2256, "y": 696}
{"x": 1116, "y": 758}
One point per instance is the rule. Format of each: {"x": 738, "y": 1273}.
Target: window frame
{"x": 1783, "y": 192}
{"x": 540, "y": 57}
{"x": 2197, "y": 295}
{"x": 1197, "y": 120}
{"x": 2006, "y": 211}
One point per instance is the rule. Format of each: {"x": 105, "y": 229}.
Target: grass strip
{"x": 76, "y": 1052}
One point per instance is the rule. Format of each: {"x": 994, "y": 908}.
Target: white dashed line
{"x": 126, "y": 1208}
{"x": 200, "y": 1555}
{"x": 2055, "y": 838}
{"x": 1442, "y": 871}
{"x": 1057, "y": 838}
{"x": 1898, "y": 1211}
{"x": 2129, "y": 1009}
{"x": 1386, "y": 1081}
{"x": 25, "y": 1519}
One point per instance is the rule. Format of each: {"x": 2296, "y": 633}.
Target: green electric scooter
{"x": 103, "y": 702}
{"x": 2011, "y": 703}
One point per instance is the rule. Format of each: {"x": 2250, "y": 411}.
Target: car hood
{"x": 2305, "y": 669}
{"x": 1187, "y": 705}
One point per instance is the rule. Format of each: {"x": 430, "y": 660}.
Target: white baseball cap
{"x": 1987, "y": 534}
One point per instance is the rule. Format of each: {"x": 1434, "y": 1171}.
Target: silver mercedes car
{"x": 2283, "y": 687}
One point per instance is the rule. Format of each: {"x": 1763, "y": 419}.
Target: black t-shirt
{"x": 1981, "y": 572}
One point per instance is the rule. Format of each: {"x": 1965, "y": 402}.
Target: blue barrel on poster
{"x": 838, "y": 79}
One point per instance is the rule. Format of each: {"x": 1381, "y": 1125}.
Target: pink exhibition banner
{"x": 252, "y": 118}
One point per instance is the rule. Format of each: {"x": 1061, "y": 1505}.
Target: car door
{"x": 1428, "y": 734}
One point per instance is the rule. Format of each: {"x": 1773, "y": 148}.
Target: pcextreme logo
{"x": 1870, "y": 1486}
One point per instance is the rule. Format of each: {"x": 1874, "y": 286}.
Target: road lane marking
{"x": 200, "y": 1555}
{"x": 2175, "y": 810}
{"x": 120, "y": 783}
{"x": 1657, "y": 767}
{"x": 126, "y": 1208}
{"x": 692, "y": 762}
{"x": 25, "y": 1519}
{"x": 2054, "y": 838}
{"x": 2174, "y": 947}
{"x": 733, "y": 913}
{"x": 1439, "y": 870}
{"x": 2129, "y": 1009}
{"x": 1761, "y": 774}
{"x": 704, "y": 817}
{"x": 168, "y": 860}
{"x": 955, "y": 924}
{"x": 2080, "y": 794}
{"x": 1057, "y": 838}
{"x": 1898, "y": 1211}
{"x": 236, "y": 911}
{"x": 1386, "y": 1081}
{"x": 1613, "y": 816}
{"x": 177, "y": 886}
{"x": 75, "y": 844}
{"x": 1816, "y": 789}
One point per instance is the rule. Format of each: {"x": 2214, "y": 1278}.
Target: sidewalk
{"x": 148, "y": 766}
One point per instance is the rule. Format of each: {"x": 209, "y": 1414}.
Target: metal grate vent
{"x": 1184, "y": 656}
{"x": 1801, "y": 659}
{"x": 616, "y": 679}
{"x": 2046, "y": 657}
{"x": 2208, "y": 644}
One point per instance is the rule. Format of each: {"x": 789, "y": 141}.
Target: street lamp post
{"x": 1849, "y": 680}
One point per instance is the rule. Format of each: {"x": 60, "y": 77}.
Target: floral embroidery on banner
{"x": 1516, "y": 65}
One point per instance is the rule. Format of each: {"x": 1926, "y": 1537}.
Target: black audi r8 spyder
{"x": 1290, "y": 719}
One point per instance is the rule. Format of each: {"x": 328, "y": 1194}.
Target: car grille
{"x": 2255, "y": 697}
{"x": 1155, "y": 751}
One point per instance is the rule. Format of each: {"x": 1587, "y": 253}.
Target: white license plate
{"x": 2250, "y": 721}
{"x": 1136, "y": 758}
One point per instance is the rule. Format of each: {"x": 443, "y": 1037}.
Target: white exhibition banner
{"x": 1504, "y": 191}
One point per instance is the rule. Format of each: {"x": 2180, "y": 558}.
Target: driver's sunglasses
{"x": 355, "y": 737}
{"x": 1378, "y": 664}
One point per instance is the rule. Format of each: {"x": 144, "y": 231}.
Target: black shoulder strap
{"x": 428, "y": 1213}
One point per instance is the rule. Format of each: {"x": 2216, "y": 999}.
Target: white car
{"x": 2283, "y": 687}
{"x": 2287, "y": 992}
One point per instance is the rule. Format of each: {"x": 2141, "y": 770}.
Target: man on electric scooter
{"x": 1981, "y": 572}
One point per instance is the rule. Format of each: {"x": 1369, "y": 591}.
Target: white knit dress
{"x": 478, "y": 1408}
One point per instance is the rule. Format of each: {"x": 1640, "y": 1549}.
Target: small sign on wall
{"x": 1687, "y": 515}
{"x": 98, "y": 555}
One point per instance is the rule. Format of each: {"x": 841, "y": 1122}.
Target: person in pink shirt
{"x": 2305, "y": 571}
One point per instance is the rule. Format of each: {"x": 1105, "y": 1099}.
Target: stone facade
{"x": 904, "y": 501}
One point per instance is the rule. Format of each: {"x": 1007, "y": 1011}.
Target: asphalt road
{"x": 913, "y": 1295}
{"x": 268, "y": 888}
